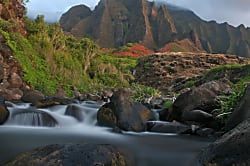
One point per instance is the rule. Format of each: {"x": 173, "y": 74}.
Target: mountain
{"x": 116, "y": 22}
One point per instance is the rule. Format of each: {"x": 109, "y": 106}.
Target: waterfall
{"x": 54, "y": 116}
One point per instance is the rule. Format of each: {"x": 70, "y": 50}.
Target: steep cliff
{"x": 11, "y": 82}
{"x": 116, "y": 22}
{"x": 13, "y": 11}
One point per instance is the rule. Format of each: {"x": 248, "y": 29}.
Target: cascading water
{"x": 29, "y": 127}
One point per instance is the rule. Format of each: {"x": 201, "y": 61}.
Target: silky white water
{"x": 25, "y": 131}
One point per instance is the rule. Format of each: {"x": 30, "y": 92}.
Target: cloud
{"x": 235, "y": 12}
{"x": 52, "y": 9}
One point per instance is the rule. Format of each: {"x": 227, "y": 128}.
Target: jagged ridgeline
{"x": 117, "y": 22}
{"x": 50, "y": 59}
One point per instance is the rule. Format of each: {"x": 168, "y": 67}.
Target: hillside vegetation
{"x": 51, "y": 59}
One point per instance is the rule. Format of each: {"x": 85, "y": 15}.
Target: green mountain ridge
{"x": 114, "y": 23}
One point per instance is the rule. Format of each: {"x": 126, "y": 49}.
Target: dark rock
{"x": 15, "y": 81}
{"x": 60, "y": 93}
{"x": 76, "y": 111}
{"x": 75, "y": 154}
{"x": 31, "y": 96}
{"x": 106, "y": 116}
{"x": 93, "y": 97}
{"x": 197, "y": 116}
{"x": 52, "y": 101}
{"x": 1, "y": 71}
{"x": 30, "y": 117}
{"x": 12, "y": 94}
{"x": 124, "y": 113}
{"x": 205, "y": 132}
{"x": 167, "y": 127}
{"x": 203, "y": 98}
{"x": 106, "y": 95}
{"x": 233, "y": 148}
{"x": 241, "y": 112}
{"x": 4, "y": 112}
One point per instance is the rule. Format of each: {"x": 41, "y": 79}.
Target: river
{"x": 21, "y": 134}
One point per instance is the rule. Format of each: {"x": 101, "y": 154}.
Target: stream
{"x": 26, "y": 131}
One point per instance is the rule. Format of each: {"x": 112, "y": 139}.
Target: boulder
{"x": 12, "y": 94}
{"x": 233, "y": 148}
{"x": 31, "y": 96}
{"x": 59, "y": 93}
{"x": 241, "y": 112}
{"x": 75, "y": 154}
{"x": 123, "y": 113}
{"x": 4, "y": 113}
{"x": 47, "y": 102}
{"x": 202, "y": 98}
{"x": 205, "y": 132}
{"x": 196, "y": 116}
{"x": 167, "y": 127}
{"x": 32, "y": 117}
{"x": 76, "y": 111}
{"x": 15, "y": 80}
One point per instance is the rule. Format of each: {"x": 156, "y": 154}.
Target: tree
{"x": 90, "y": 49}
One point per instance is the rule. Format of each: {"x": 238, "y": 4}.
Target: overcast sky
{"x": 235, "y": 12}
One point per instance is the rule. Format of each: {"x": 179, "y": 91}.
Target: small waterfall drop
{"x": 54, "y": 116}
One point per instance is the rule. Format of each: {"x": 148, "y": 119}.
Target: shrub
{"x": 142, "y": 92}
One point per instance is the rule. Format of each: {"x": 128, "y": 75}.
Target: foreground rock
{"x": 4, "y": 113}
{"x": 196, "y": 105}
{"x": 76, "y": 111}
{"x": 32, "y": 96}
{"x": 167, "y": 127}
{"x": 32, "y": 117}
{"x": 123, "y": 113}
{"x": 241, "y": 112}
{"x": 73, "y": 155}
{"x": 233, "y": 148}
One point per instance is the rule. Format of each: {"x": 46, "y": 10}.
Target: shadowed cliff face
{"x": 116, "y": 22}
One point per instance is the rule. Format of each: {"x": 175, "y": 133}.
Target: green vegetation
{"x": 168, "y": 104}
{"x": 141, "y": 92}
{"x": 239, "y": 75}
{"x": 51, "y": 59}
{"x": 219, "y": 71}
{"x": 176, "y": 48}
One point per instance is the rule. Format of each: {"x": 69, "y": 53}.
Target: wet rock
{"x": 4, "y": 112}
{"x": 31, "y": 96}
{"x": 76, "y": 111}
{"x": 106, "y": 95}
{"x": 241, "y": 112}
{"x": 233, "y": 148}
{"x": 124, "y": 113}
{"x": 197, "y": 116}
{"x": 167, "y": 127}
{"x": 52, "y": 101}
{"x": 32, "y": 117}
{"x": 75, "y": 154}
{"x": 205, "y": 132}
{"x": 202, "y": 98}
{"x": 93, "y": 97}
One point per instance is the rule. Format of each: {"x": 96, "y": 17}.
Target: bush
{"x": 142, "y": 92}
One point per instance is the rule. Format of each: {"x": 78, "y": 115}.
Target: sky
{"x": 235, "y": 12}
